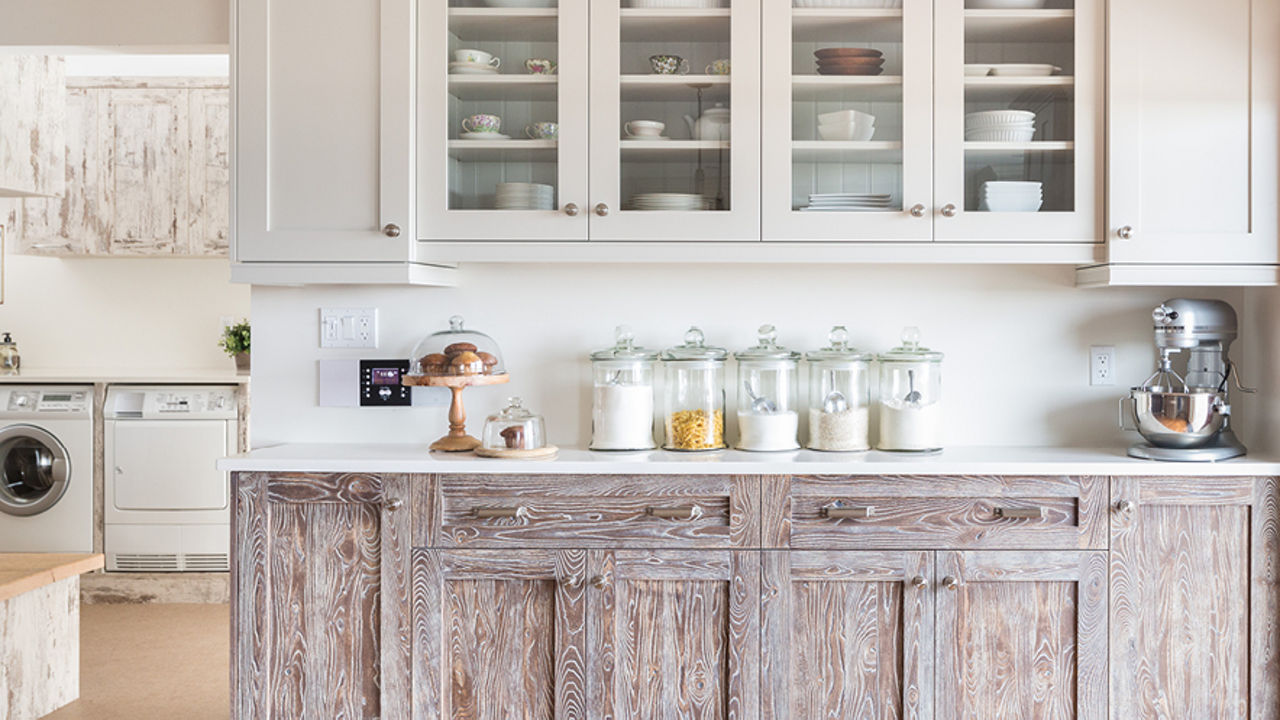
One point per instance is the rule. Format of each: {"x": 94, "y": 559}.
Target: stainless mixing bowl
{"x": 1177, "y": 420}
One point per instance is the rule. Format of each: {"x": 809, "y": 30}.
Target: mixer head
{"x": 1182, "y": 323}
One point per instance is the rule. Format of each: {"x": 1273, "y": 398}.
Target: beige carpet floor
{"x": 152, "y": 661}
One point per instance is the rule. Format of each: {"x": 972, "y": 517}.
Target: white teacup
{"x": 478, "y": 57}
{"x": 644, "y": 128}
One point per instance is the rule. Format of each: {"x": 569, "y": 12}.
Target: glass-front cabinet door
{"x": 848, "y": 120}
{"x": 675, "y": 120}
{"x": 502, "y": 119}
{"x": 1018, "y": 120}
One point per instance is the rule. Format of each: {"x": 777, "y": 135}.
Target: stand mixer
{"x": 1187, "y": 417}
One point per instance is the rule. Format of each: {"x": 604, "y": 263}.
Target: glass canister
{"x": 10, "y": 360}
{"x": 514, "y": 428}
{"x": 839, "y": 395}
{"x": 622, "y": 395}
{"x": 910, "y": 396}
{"x": 768, "y": 396}
{"x": 694, "y": 407}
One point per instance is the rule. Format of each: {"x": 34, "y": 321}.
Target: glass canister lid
{"x": 910, "y": 350}
{"x": 514, "y": 412}
{"x": 457, "y": 351}
{"x": 625, "y": 348}
{"x": 767, "y": 348}
{"x": 695, "y": 348}
{"x": 839, "y": 348}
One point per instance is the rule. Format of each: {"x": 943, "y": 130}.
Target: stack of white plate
{"x": 1000, "y": 126}
{"x": 525, "y": 196}
{"x": 848, "y": 3}
{"x": 1009, "y": 196}
{"x": 669, "y": 202}
{"x": 847, "y": 202}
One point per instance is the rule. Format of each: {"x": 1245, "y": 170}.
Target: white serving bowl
{"x": 1011, "y": 204}
{"x": 846, "y": 132}
{"x": 520, "y": 3}
{"x": 1024, "y": 70}
{"x": 987, "y": 118}
{"x": 1011, "y": 136}
{"x": 1012, "y": 186}
{"x": 1004, "y": 4}
{"x": 676, "y": 4}
{"x": 844, "y": 116}
{"x": 976, "y": 70}
{"x": 848, "y": 3}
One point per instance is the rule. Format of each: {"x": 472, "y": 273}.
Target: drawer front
{"x": 596, "y": 511}
{"x": 911, "y": 512}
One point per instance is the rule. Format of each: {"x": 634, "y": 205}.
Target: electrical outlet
{"x": 348, "y": 327}
{"x": 1102, "y": 365}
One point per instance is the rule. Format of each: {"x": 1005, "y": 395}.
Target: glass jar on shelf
{"x": 768, "y": 405}
{"x": 694, "y": 407}
{"x": 622, "y": 395}
{"x": 514, "y": 428}
{"x": 839, "y": 395}
{"x": 910, "y": 396}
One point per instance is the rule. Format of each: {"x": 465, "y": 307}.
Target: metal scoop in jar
{"x": 759, "y": 405}
{"x": 913, "y": 395}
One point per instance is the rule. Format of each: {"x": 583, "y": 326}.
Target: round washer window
{"x": 33, "y": 470}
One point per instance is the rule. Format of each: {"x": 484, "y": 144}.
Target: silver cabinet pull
{"x": 503, "y": 512}
{"x": 394, "y": 504}
{"x": 571, "y": 210}
{"x": 687, "y": 512}
{"x": 837, "y": 512}
{"x": 949, "y": 210}
{"x": 602, "y": 209}
{"x": 1032, "y": 513}
{"x": 391, "y": 230}
{"x": 917, "y": 210}
{"x": 1125, "y": 232}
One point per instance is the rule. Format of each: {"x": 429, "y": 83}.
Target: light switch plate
{"x": 348, "y": 327}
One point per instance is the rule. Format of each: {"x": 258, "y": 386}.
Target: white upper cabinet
{"x": 323, "y": 137}
{"x": 1194, "y": 92}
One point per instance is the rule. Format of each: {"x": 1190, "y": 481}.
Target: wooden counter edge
{"x": 23, "y": 572}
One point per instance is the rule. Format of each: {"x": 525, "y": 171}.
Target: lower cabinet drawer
{"x": 936, "y": 512}
{"x": 597, "y": 511}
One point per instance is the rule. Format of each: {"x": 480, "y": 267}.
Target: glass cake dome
{"x": 456, "y": 352}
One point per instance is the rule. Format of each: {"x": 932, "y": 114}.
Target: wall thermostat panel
{"x": 380, "y": 383}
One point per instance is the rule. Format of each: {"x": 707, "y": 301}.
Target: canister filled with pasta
{"x": 694, "y": 408}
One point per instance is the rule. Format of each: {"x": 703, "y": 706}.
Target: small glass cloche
{"x": 514, "y": 428}
{"x": 456, "y": 352}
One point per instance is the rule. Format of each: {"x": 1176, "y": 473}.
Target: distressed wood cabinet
{"x": 31, "y": 125}
{"x": 1195, "y": 629}
{"x": 148, "y": 171}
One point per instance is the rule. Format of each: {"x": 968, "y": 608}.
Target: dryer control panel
{"x": 171, "y": 403}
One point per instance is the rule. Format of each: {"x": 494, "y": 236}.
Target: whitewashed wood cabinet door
{"x": 323, "y": 137}
{"x": 1193, "y": 145}
{"x": 847, "y": 635}
{"x": 31, "y": 119}
{"x": 145, "y": 150}
{"x": 79, "y": 222}
{"x": 1022, "y": 635}
{"x": 209, "y": 172}
{"x": 1195, "y": 629}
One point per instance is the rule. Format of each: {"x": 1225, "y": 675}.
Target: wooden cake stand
{"x": 457, "y": 440}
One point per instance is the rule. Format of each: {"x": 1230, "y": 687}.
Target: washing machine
{"x": 166, "y": 506}
{"x": 46, "y": 468}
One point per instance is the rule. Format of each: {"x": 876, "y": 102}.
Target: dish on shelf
{"x": 1004, "y": 4}
{"x": 520, "y": 3}
{"x": 470, "y": 68}
{"x": 524, "y": 196}
{"x": 1018, "y": 135}
{"x": 851, "y": 70}
{"x": 832, "y": 53}
{"x": 1023, "y": 69}
{"x": 687, "y": 4}
{"x": 847, "y": 131}
{"x": 670, "y": 202}
{"x": 840, "y": 116}
{"x": 848, "y": 202}
{"x": 1011, "y": 196}
{"x": 851, "y": 62}
{"x": 976, "y": 70}
{"x": 991, "y": 118}
{"x": 642, "y": 138}
{"x": 482, "y": 136}
{"x": 643, "y": 130}
{"x": 866, "y": 4}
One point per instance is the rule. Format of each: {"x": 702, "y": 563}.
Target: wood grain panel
{"x": 1015, "y": 632}
{"x": 146, "y": 155}
{"x": 250, "y": 619}
{"x": 943, "y": 512}
{"x": 31, "y": 137}
{"x": 775, "y": 512}
{"x": 77, "y": 222}
{"x": 395, "y": 634}
{"x": 208, "y": 172}
{"x": 847, "y": 634}
{"x": 323, "y": 488}
{"x": 1193, "y": 617}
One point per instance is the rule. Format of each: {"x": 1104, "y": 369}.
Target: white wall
{"x": 137, "y": 24}
{"x": 1259, "y": 425}
{"x": 1016, "y": 339}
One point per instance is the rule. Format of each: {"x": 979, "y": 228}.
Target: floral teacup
{"x": 482, "y": 123}
{"x": 718, "y": 67}
{"x": 669, "y": 64}
{"x": 542, "y": 131}
{"x": 540, "y": 66}
{"x": 479, "y": 57}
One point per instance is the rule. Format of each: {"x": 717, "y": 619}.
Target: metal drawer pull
{"x": 1032, "y": 513}
{"x": 599, "y": 582}
{"x": 512, "y": 512}
{"x": 675, "y": 513}
{"x": 394, "y": 504}
{"x": 838, "y": 513}
{"x": 950, "y": 582}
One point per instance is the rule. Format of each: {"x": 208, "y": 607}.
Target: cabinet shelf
{"x": 1004, "y": 150}
{"x": 503, "y": 87}
{"x": 846, "y": 25}
{"x": 675, "y": 25}
{"x": 674, "y": 87}
{"x": 503, "y": 150}
{"x": 501, "y": 24}
{"x": 875, "y": 152}
{"x": 1008, "y": 88}
{"x": 854, "y": 88}
{"x": 669, "y": 150}
{"x": 1020, "y": 26}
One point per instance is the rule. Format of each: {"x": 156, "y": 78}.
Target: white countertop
{"x": 370, "y": 458}
{"x": 131, "y": 376}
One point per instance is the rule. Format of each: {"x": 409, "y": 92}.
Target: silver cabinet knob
{"x": 919, "y": 581}
{"x": 950, "y": 583}
{"x": 391, "y": 230}
{"x": 949, "y": 210}
{"x": 571, "y": 210}
{"x": 917, "y": 210}
{"x": 1125, "y": 233}
{"x": 394, "y": 504}
{"x": 1124, "y": 506}
{"x": 602, "y": 210}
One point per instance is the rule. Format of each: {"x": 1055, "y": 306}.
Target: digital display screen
{"x": 55, "y": 398}
{"x": 385, "y": 376}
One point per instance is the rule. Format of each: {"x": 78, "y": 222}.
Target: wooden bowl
{"x": 853, "y": 61}
{"x": 826, "y": 53}
{"x": 851, "y": 70}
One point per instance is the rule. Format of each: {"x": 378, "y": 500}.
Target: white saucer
{"x": 466, "y": 68}
{"x": 644, "y": 138}
{"x": 482, "y": 136}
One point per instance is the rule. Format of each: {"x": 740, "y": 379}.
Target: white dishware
{"x": 477, "y": 57}
{"x": 1010, "y": 136}
{"x": 845, "y": 116}
{"x": 482, "y": 136}
{"x": 457, "y": 68}
{"x": 1010, "y": 204}
{"x": 1004, "y": 4}
{"x": 887, "y": 4}
{"x": 1023, "y": 69}
{"x": 677, "y": 3}
{"x": 644, "y": 129}
{"x": 846, "y": 132}
{"x": 987, "y": 118}
{"x": 713, "y": 125}
{"x": 481, "y": 123}
{"x": 669, "y": 202}
{"x": 520, "y": 3}
{"x": 976, "y": 70}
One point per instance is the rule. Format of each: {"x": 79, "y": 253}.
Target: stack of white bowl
{"x": 1010, "y": 196}
{"x": 1000, "y": 126}
{"x": 525, "y": 196}
{"x": 669, "y": 202}
{"x": 847, "y": 126}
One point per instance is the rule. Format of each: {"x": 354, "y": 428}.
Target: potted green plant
{"x": 235, "y": 341}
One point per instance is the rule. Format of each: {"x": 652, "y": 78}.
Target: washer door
{"x": 34, "y": 470}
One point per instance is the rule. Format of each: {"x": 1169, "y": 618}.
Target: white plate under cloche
{"x": 482, "y": 136}
{"x": 470, "y": 68}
